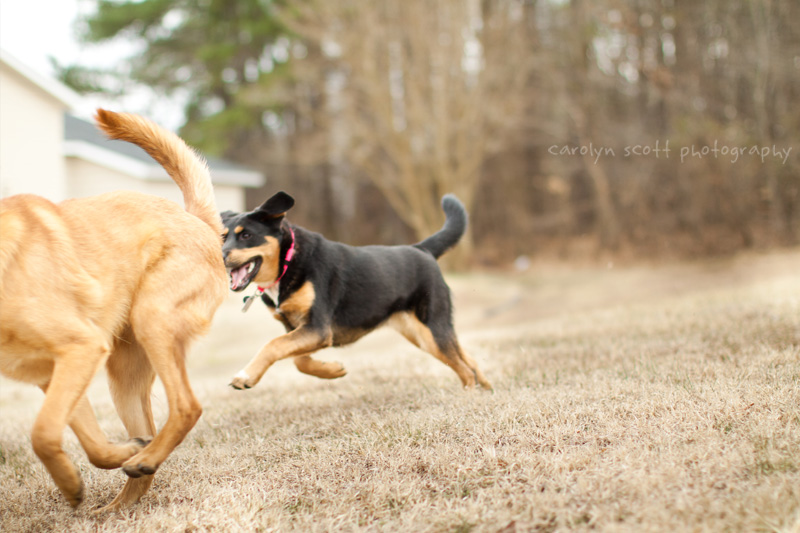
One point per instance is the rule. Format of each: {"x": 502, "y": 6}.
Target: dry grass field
{"x": 659, "y": 398}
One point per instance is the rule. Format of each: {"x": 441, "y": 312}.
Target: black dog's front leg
{"x": 301, "y": 341}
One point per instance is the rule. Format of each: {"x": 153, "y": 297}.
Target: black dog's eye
{"x": 244, "y": 235}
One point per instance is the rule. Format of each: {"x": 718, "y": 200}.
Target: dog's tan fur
{"x": 122, "y": 279}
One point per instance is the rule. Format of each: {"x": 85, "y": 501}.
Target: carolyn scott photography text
{"x": 660, "y": 149}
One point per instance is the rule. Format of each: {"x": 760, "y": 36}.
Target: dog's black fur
{"x": 353, "y": 290}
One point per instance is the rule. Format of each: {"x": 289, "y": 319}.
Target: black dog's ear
{"x": 226, "y": 216}
{"x": 276, "y": 206}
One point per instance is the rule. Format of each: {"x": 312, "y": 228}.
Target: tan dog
{"x": 124, "y": 279}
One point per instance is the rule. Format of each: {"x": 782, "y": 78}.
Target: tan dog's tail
{"x": 185, "y": 166}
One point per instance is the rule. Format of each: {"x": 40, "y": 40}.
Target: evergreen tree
{"x": 210, "y": 52}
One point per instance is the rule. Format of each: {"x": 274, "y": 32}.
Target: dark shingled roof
{"x": 76, "y": 129}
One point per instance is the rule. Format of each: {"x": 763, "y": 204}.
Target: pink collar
{"x": 289, "y": 257}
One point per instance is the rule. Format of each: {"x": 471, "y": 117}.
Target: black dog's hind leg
{"x": 470, "y": 362}
{"x": 323, "y": 370}
{"x": 440, "y": 341}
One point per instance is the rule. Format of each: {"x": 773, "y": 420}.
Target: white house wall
{"x": 229, "y": 197}
{"x": 85, "y": 178}
{"x": 32, "y": 130}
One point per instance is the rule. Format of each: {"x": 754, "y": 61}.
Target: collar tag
{"x": 273, "y": 288}
{"x": 248, "y": 300}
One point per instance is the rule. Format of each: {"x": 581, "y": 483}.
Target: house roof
{"x": 83, "y": 140}
{"x": 50, "y": 86}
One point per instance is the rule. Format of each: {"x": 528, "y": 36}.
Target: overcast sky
{"x": 33, "y": 30}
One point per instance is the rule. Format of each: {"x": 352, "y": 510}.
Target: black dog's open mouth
{"x": 243, "y": 275}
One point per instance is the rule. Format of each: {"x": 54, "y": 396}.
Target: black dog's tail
{"x": 451, "y": 232}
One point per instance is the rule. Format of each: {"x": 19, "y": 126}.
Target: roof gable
{"x": 50, "y": 86}
{"x": 83, "y": 140}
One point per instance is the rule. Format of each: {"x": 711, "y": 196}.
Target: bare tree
{"x": 373, "y": 110}
{"x": 430, "y": 88}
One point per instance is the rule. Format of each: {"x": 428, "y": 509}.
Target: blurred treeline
{"x": 367, "y": 112}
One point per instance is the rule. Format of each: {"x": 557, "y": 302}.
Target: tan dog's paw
{"x": 242, "y": 381}
{"x": 137, "y": 466}
{"x": 76, "y": 497}
{"x": 115, "y": 455}
{"x": 137, "y": 444}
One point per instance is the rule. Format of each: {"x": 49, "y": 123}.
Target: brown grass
{"x": 637, "y": 399}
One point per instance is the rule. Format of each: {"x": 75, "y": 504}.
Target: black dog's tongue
{"x": 237, "y": 277}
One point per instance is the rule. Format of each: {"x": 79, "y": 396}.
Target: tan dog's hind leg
{"x": 302, "y": 341}
{"x": 169, "y": 311}
{"x": 321, "y": 369}
{"x": 101, "y": 452}
{"x": 131, "y": 379}
{"x": 74, "y": 368}
{"x": 184, "y": 409}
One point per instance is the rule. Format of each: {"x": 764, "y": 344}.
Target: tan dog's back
{"x": 96, "y": 251}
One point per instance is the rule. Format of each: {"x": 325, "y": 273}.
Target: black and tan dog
{"x": 122, "y": 279}
{"x": 331, "y": 294}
